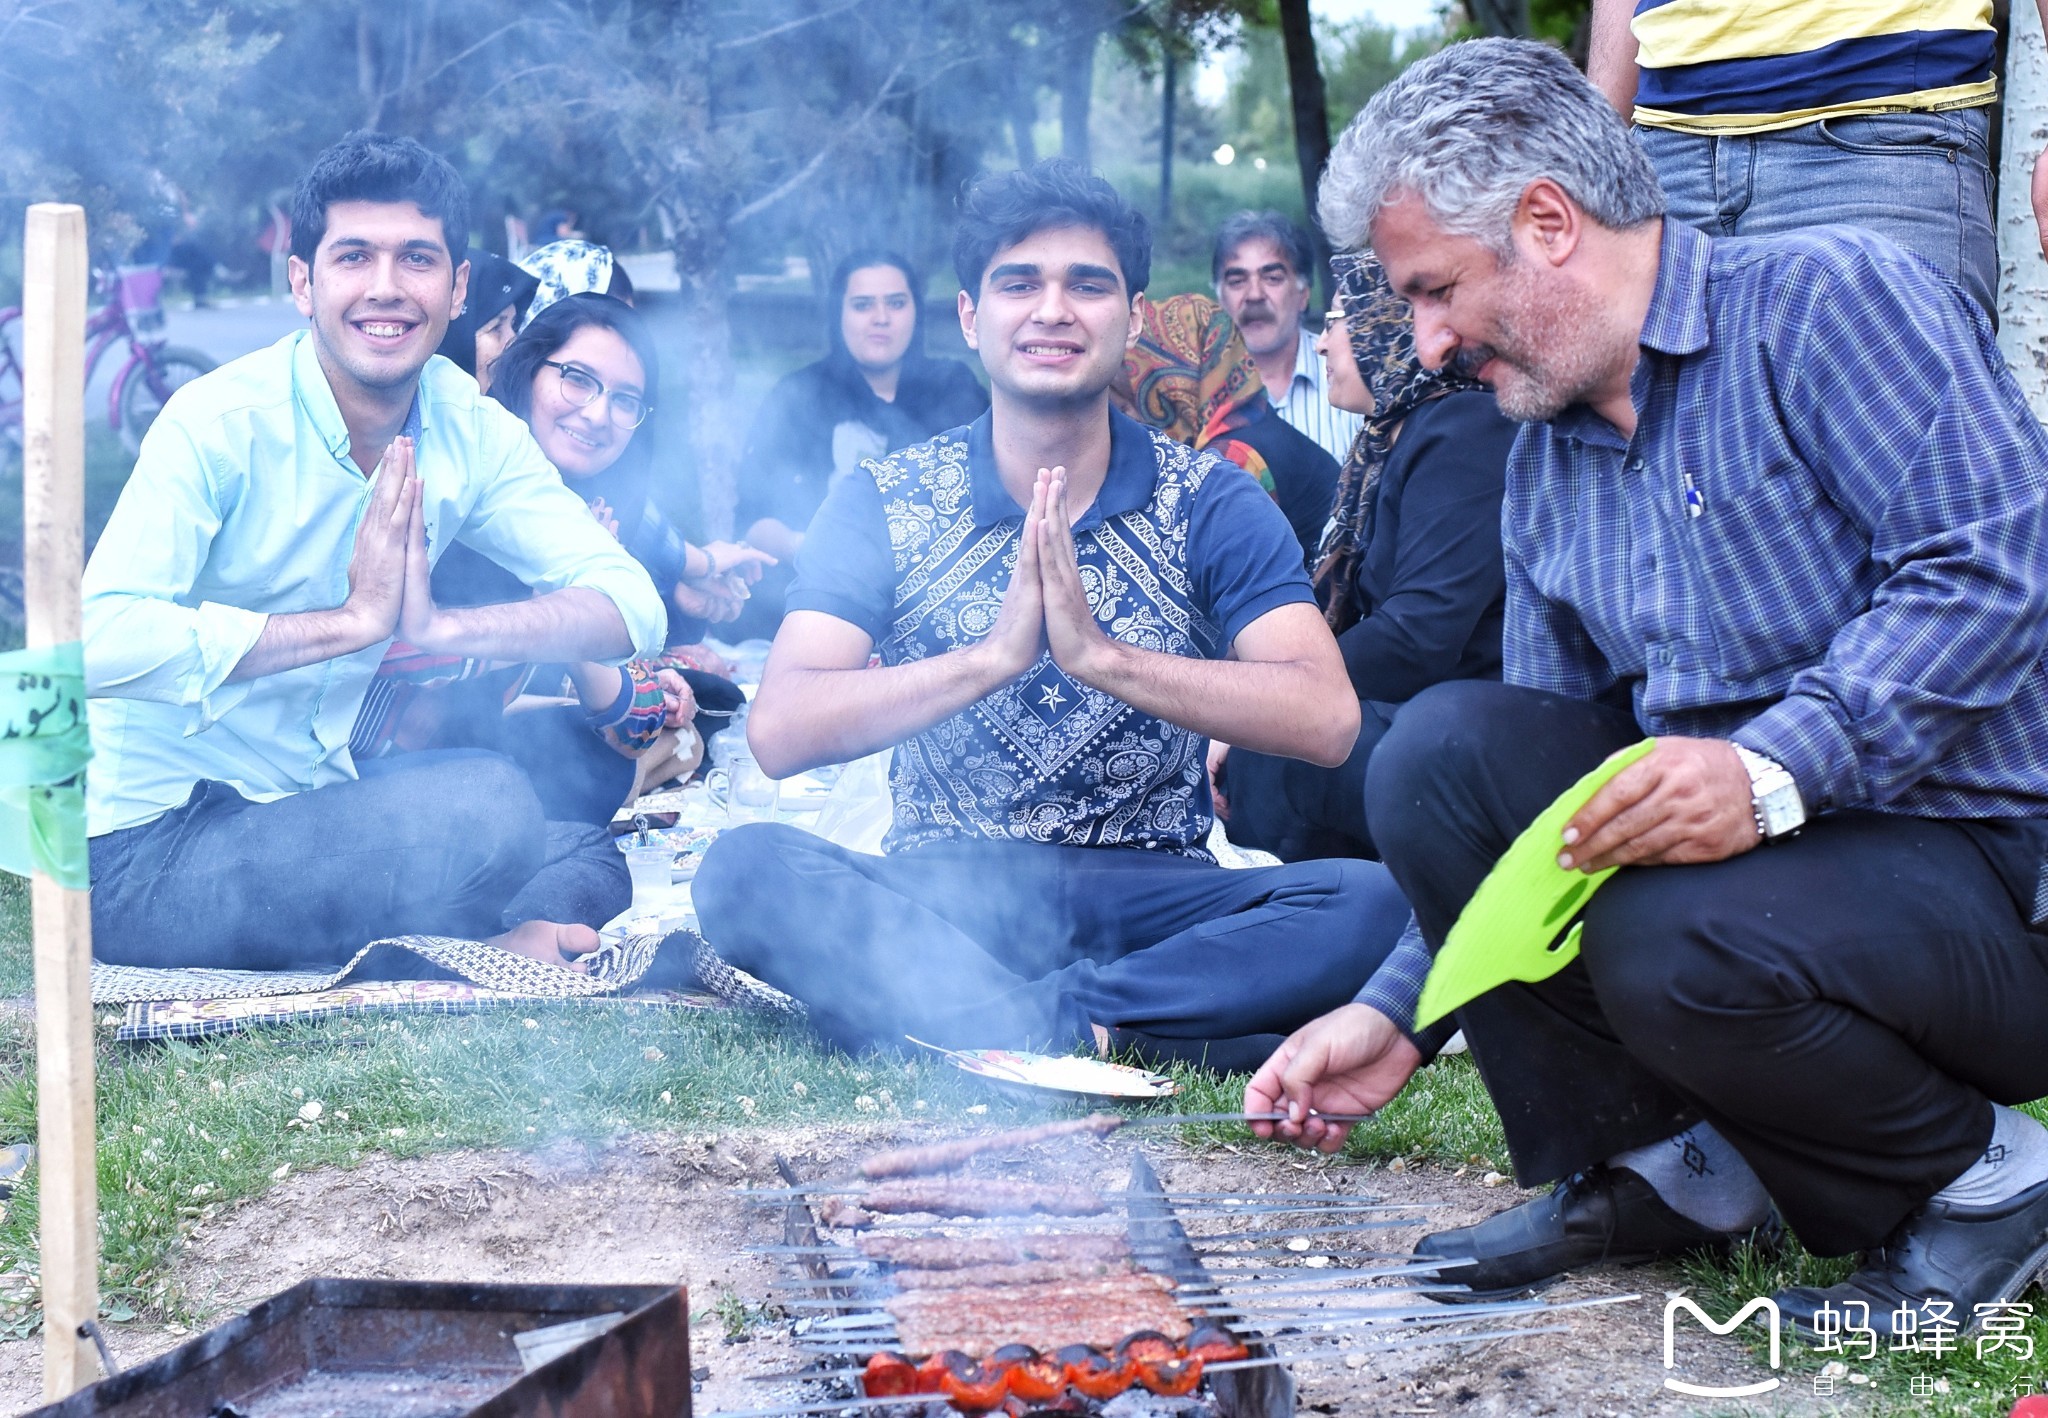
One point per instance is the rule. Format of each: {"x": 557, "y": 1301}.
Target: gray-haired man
{"x": 1262, "y": 266}
{"x": 1780, "y": 505}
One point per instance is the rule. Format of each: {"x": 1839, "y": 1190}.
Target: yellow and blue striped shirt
{"x": 1751, "y": 66}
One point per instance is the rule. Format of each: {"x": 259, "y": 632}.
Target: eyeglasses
{"x": 582, "y": 388}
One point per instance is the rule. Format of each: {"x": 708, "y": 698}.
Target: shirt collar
{"x": 1676, "y": 324}
{"x": 316, "y": 397}
{"x": 1133, "y": 473}
{"x": 1677, "y": 320}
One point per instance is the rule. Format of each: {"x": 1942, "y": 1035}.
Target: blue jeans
{"x": 1921, "y": 179}
{"x": 1010, "y": 944}
{"x": 449, "y": 842}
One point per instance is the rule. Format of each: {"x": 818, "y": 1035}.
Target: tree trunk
{"x": 1077, "y": 94}
{"x": 2023, "y": 273}
{"x": 1311, "y": 118}
{"x": 1507, "y": 18}
{"x": 1023, "y": 96}
{"x": 1169, "y": 83}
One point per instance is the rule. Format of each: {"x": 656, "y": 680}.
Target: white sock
{"x": 2017, "y": 1158}
{"x": 1699, "y": 1174}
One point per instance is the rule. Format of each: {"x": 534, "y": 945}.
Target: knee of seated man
{"x": 1440, "y": 737}
{"x": 491, "y": 813}
{"x": 1671, "y": 957}
{"x": 742, "y": 876}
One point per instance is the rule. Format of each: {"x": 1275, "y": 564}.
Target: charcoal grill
{"x": 1281, "y": 1315}
{"x": 399, "y": 1349}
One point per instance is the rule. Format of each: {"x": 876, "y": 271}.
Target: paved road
{"x": 223, "y": 332}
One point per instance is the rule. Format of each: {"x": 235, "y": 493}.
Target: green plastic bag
{"x": 1509, "y": 929}
{"x": 44, "y": 747}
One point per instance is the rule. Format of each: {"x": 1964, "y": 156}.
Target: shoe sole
{"x": 1626, "y": 1262}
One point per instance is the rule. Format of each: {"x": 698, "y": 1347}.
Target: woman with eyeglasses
{"x": 1409, "y": 572}
{"x": 582, "y": 376}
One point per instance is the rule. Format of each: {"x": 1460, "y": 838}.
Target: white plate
{"x": 1083, "y": 1078}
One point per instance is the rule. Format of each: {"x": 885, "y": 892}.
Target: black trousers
{"x": 1842, "y": 1006}
{"x": 1299, "y": 811}
{"x": 1015, "y": 944}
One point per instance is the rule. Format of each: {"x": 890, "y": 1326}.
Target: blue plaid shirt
{"x": 1827, "y": 540}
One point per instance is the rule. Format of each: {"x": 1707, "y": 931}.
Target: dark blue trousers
{"x": 447, "y": 842}
{"x": 1843, "y": 1006}
{"x": 1008, "y": 944}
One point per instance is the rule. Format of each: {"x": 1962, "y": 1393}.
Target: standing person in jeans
{"x": 1780, "y": 504}
{"x": 1762, "y": 119}
{"x": 1067, "y": 605}
{"x": 279, "y": 528}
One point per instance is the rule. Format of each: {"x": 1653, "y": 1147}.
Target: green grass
{"x": 186, "y": 1128}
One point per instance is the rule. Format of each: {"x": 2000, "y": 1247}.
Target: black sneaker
{"x": 1601, "y": 1216}
{"x": 1941, "y": 1263}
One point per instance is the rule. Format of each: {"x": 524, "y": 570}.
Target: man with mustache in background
{"x": 1262, "y": 266}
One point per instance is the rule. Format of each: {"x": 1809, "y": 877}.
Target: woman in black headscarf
{"x": 875, "y": 391}
{"x": 492, "y": 312}
{"x": 1409, "y": 573}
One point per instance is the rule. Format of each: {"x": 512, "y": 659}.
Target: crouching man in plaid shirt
{"x": 1778, "y": 503}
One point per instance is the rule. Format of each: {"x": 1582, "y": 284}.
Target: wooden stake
{"x": 54, "y": 280}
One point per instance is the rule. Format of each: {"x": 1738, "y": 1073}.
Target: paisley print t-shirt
{"x": 1179, "y": 553}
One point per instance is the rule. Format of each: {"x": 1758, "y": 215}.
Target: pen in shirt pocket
{"x": 1694, "y": 503}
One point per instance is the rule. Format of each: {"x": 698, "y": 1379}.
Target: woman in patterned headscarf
{"x": 1409, "y": 571}
{"x": 1190, "y": 376}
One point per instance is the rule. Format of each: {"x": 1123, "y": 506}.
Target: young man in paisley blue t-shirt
{"x": 1067, "y": 606}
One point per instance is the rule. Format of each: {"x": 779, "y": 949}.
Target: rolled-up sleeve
{"x": 146, "y": 637}
{"x": 530, "y": 523}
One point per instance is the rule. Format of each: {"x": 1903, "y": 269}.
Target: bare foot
{"x": 547, "y": 941}
{"x": 1102, "y": 1040}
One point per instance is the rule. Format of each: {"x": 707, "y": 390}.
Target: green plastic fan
{"x": 1509, "y": 929}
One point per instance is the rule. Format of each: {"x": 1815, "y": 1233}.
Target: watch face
{"x": 1782, "y": 811}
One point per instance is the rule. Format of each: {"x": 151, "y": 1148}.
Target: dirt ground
{"x": 664, "y": 1209}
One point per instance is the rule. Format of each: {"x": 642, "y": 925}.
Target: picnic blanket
{"x": 435, "y": 974}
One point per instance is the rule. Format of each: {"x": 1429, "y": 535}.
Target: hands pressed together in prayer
{"x": 1046, "y": 606}
{"x": 379, "y": 567}
{"x": 390, "y": 578}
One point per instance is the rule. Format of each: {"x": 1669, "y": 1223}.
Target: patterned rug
{"x": 431, "y": 974}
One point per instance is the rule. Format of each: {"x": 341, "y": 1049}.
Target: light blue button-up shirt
{"x": 244, "y": 504}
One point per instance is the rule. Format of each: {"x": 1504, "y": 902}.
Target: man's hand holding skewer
{"x": 1351, "y": 1060}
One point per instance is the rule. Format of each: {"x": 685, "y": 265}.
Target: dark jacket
{"x": 824, "y": 419}
{"x": 1304, "y": 475}
{"x": 1431, "y": 584}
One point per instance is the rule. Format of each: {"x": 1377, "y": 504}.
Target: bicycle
{"x": 133, "y": 312}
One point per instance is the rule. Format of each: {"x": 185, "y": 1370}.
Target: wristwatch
{"x": 1773, "y": 796}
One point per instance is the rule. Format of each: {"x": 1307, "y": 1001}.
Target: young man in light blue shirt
{"x": 278, "y": 530}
